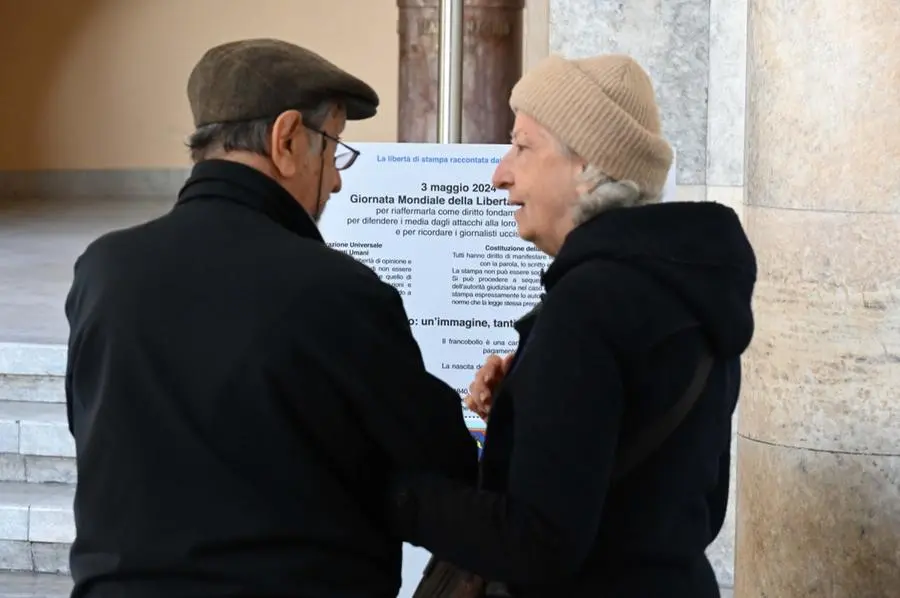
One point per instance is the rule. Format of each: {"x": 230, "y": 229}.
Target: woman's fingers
{"x": 490, "y": 371}
{"x": 488, "y": 376}
{"x": 479, "y": 407}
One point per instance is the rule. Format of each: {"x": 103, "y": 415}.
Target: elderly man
{"x": 239, "y": 392}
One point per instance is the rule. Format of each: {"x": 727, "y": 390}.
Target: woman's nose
{"x": 502, "y": 178}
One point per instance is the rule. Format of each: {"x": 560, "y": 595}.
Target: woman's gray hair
{"x": 605, "y": 193}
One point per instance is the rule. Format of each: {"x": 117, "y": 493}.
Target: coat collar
{"x": 224, "y": 180}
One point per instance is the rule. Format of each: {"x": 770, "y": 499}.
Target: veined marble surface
{"x": 696, "y": 53}
{"x": 670, "y": 38}
{"x": 727, "y": 92}
{"x": 819, "y": 442}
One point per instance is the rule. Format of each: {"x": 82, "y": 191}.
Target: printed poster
{"x": 427, "y": 219}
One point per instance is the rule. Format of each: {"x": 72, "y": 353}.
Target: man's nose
{"x": 502, "y": 178}
{"x": 338, "y": 182}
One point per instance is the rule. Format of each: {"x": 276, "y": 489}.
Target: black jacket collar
{"x": 232, "y": 181}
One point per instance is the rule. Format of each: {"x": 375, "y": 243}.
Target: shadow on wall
{"x": 34, "y": 40}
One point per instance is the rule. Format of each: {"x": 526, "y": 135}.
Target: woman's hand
{"x": 487, "y": 379}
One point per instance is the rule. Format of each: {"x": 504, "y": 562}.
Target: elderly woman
{"x": 605, "y": 469}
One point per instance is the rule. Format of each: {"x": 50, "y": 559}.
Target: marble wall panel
{"x": 670, "y": 38}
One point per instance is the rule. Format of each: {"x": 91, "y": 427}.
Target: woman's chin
{"x": 525, "y": 231}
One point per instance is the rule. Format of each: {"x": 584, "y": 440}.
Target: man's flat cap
{"x": 261, "y": 78}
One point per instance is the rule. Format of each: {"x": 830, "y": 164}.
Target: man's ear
{"x": 288, "y": 137}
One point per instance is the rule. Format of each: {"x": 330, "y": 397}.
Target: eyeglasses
{"x": 343, "y": 159}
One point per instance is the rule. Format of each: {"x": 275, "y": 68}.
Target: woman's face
{"x": 541, "y": 180}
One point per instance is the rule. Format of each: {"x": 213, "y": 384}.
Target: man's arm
{"x": 364, "y": 343}
{"x": 568, "y": 406}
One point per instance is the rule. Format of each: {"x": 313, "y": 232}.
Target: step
{"x": 32, "y": 373}
{"x": 35, "y": 444}
{"x": 36, "y": 526}
{"x": 34, "y": 585}
{"x": 33, "y": 389}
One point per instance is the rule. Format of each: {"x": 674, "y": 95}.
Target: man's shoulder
{"x": 328, "y": 274}
{"x": 114, "y": 243}
{"x": 335, "y": 267}
{"x": 300, "y": 266}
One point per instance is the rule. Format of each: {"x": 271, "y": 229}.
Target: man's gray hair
{"x": 604, "y": 192}
{"x": 250, "y": 136}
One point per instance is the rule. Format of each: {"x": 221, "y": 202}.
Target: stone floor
{"x": 39, "y": 241}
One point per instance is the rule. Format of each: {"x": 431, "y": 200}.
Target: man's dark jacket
{"x": 239, "y": 393}
{"x": 634, "y": 298}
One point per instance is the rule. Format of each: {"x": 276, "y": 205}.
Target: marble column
{"x": 819, "y": 433}
{"x": 492, "y": 63}
{"x": 695, "y": 52}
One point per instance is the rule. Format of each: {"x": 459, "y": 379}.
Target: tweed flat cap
{"x": 261, "y": 78}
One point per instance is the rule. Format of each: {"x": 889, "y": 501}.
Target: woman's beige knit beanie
{"x": 604, "y": 109}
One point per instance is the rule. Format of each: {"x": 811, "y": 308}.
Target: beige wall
{"x": 88, "y": 84}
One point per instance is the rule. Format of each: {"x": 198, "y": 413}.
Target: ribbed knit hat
{"x": 604, "y": 109}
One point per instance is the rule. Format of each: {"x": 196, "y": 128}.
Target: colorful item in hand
{"x": 478, "y": 435}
